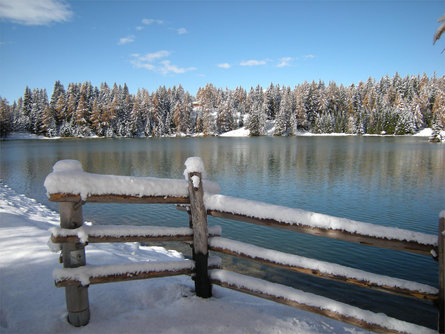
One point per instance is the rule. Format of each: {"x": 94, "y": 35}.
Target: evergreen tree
{"x": 283, "y": 125}
{"x": 256, "y": 122}
{"x": 5, "y": 118}
{"x": 48, "y": 125}
{"x": 225, "y": 121}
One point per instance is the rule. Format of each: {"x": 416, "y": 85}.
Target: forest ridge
{"x": 388, "y": 106}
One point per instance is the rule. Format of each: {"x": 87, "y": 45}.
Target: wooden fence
{"x": 76, "y": 276}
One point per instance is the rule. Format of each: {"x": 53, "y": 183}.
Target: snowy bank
{"x": 31, "y": 303}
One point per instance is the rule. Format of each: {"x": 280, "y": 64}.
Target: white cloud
{"x": 150, "y": 57}
{"x": 285, "y": 61}
{"x": 32, "y": 12}
{"x": 126, "y": 40}
{"x": 181, "y": 31}
{"x": 153, "y": 62}
{"x": 167, "y": 67}
{"x": 224, "y": 65}
{"x": 253, "y": 62}
{"x": 309, "y": 57}
{"x": 151, "y": 21}
{"x": 139, "y": 28}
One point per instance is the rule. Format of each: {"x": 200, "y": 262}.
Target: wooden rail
{"x": 122, "y": 199}
{"x": 125, "y": 233}
{"x": 406, "y": 246}
{"x": 73, "y": 236}
{"x": 286, "y": 300}
{"x": 297, "y": 263}
{"x": 126, "y": 272}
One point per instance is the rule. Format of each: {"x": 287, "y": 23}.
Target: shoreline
{"x": 238, "y": 133}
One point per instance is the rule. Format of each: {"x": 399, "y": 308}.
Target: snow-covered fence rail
{"x": 331, "y": 227}
{"x": 319, "y": 224}
{"x": 69, "y": 185}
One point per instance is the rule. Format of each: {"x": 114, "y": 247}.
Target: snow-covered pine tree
{"x": 82, "y": 117}
{"x": 240, "y": 107}
{"x": 225, "y": 121}
{"x": 256, "y": 121}
{"x": 5, "y": 118}
{"x": 283, "y": 125}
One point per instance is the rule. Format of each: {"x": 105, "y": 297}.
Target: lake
{"x": 391, "y": 181}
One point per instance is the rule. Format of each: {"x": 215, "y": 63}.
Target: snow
{"x": 310, "y": 299}
{"x": 68, "y": 177}
{"x": 196, "y": 181}
{"x": 31, "y": 304}
{"x": 86, "y": 231}
{"x": 270, "y": 129}
{"x": 194, "y": 165}
{"x": 241, "y": 132}
{"x": 300, "y": 217}
{"x": 424, "y": 132}
{"x": 312, "y": 264}
{"x": 83, "y": 274}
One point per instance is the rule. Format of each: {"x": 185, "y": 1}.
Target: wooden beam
{"x": 129, "y": 238}
{"x": 110, "y": 198}
{"x": 58, "y": 239}
{"x": 334, "y": 277}
{"x": 406, "y": 246}
{"x": 198, "y": 215}
{"x": 73, "y": 256}
{"x": 129, "y": 276}
{"x": 441, "y": 256}
{"x": 327, "y": 313}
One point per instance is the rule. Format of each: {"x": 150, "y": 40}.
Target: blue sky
{"x": 146, "y": 44}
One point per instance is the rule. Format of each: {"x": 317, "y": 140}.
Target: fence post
{"x": 73, "y": 255}
{"x": 203, "y": 287}
{"x": 441, "y": 242}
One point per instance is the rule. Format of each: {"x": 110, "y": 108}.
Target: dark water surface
{"x": 392, "y": 181}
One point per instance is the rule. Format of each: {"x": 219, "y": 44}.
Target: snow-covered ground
{"x": 31, "y": 304}
{"x": 270, "y": 128}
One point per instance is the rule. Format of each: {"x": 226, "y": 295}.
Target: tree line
{"x": 391, "y": 105}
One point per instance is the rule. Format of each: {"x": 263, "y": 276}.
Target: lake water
{"x": 392, "y": 181}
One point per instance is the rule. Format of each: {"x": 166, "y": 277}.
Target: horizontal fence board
{"x": 331, "y": 276}
{"x": 131, "y": 275}
{"x": 129, "y": 238}
{"x": 406, "y": 246}
{"x": 124, "y": 233}
{"x": 314, "y": 309}
{"x": 110, "y": 198}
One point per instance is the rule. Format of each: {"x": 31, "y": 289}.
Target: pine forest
{"x": 387, "y": 106}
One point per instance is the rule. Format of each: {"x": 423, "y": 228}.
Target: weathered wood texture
{"x": 326, "y": 313}
{"x": 198, "y": 215}
{"x": 339, "y": 278}
{"x": 110, "y": 198}
{"x": 130, "y": 276}
{"x": 126, "y": 238}
{"x": 441, "y": 254}
{"x": 73, "y": 255}
{"x": 406, "y": 246}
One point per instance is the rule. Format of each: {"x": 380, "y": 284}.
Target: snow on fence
{"x": 69, "y": 185}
